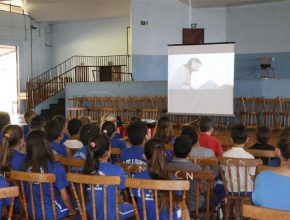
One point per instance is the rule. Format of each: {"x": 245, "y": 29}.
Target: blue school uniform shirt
{"x": 17, "y": 160}
{"x": 126, "y": 210}
{"x": 116, "y": 141}
{"x": 150, "y": 203}
{"x": 58, "y": 148}
{"x": 7, "y": 201}
{"x": 25, "y": 131}
{"x": 60, "y": 183}
{"x": 272, "y": 190}
{"x": 81, "y": 153}
{"x": 133, "y": 155}
{"x": 1, "y": 137}
{"x": 65, "y": 137}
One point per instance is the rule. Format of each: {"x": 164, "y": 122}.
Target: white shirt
{"x": 75, "y": 144}
{"x": 238, "y": 152}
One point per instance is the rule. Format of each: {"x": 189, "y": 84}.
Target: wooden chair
{"x": 149, "y": 113}
{"x": 260, "y": 213}
{"x": 115, "y": 153}
{"x": 265, "y": 155}
{"x": 205, "y": 162}
{"x": 237, "y": 176}
{"x": 57, "y": 157}
{"x": 9, "y": 192}
{"x": 35, "y": 180}
{"x": 72, "y": 165}
{"x": 203, "y": 183}
{"x": 261, "y": 168}
{"x": 80, "y": 181}
{"x": 155, "y": 186}
{"x": 132, "y": 168}
{"x": 169, "y": 147}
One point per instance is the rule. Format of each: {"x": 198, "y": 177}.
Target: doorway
{"x": 8, "y": 79}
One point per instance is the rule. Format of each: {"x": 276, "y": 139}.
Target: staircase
{"x": 77, "y": 69}
{"x": 54, "y": 109}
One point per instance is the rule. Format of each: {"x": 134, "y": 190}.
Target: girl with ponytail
{"x": 155, "y": 155}
{"x": 99, "y": 152}
{"x": 14, "y": 148}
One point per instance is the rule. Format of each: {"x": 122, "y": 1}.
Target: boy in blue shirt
{"x": 136, "y": 134}
{"x": 53, "y": 129}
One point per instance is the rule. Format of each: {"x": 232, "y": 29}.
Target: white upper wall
{"x": 92, "y": 38}
{"x": 165, "y": 22}
{"x": 260, "y": 28}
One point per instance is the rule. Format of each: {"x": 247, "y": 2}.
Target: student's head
{"x": 134, "y": 118}
{"x": 182, "y": 146}
{"x": 98, "y": 149}
{"x": 61, "y": 119}
{"x": 190, "y": 132}
{"x": 263, "y": 134}
{"x": 28, "y": 116}
{"x": 85, "y": 120}
{"x": 12, "y": 138}
{"x": 163, "y": 130}
{"x": 136, "y": 132}
{"x": 54, "y": 130}
{"x": 87, "y": 132}
{"x": 39, "y": 153}
{"x": 284, "y": 144}
{"x": 239, "y": 134}
{"x": 108, "y": 128}
{"x": 108, "y": 117}
{"x": 37, "y": 123}
{"x": 4, "y": 120}
{"x": 206, "y": 124}
{"x": 74, "y": 126}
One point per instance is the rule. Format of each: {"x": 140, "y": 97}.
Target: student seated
{"x": 239, "y": 135}
{"x": 74, "y": 126}
{"x": 87, "y": 132}
{"x": 4, "y": 120}
{"x": 263, "y": 135}
{"x": 182, "y": 148}
{"x": 163, "y": 130}
{"x": 14, "y": 149}
{"x": 205, "y": 138}
{"x": 37, "y": 123}
{"x": 154, "y": 153}
{"x": 109, "y": 129}
{"x": 54, "y": 131}
{"x": 40, "y": 160}
{"x": 97, "y": 164}
{"x": 272, "y": 188}
{"x": 3, "y": 202}
{"x": 63, "y": 122}
{"x": 136, "y": 132}
{"x": 197, "y": 150}
{"x": 28, "y": 116}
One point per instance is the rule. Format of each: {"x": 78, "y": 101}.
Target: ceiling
{"x": 78, "y": 10}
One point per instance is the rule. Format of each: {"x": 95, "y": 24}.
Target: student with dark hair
{"x": 205, "y": 138}
{"x": 272, "y": 188}
{"x": 239, "y": 135}
{"x": 28, "y": 116}
{"x": 4, "y": 120}
{"x": 63, "y": 122}
{"x": 87, "y": 132}
{"x": 136, "y": 132}
{"x": 97, "y": 164}
{"x": 263, "y": 135}
{"x": 54, "y": 131}
{"x": 109, "y": 129}
{"x": 163, "y": 130}
{"x": 40, "y": 160}
{"x": 182, "y": 149}
{"x": 74, "y": 126}
{"x": 197, "y": 150}
{"x": 14, "y": 149}
{"x": 37, "y": 123}
{"x": 154, "y": 153}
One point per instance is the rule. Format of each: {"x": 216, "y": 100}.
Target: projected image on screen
{"x": 201, "y": 79}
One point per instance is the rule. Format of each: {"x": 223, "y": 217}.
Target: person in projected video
{"x": 181, "y": 78}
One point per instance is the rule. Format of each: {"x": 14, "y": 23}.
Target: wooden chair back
{"x": 149, "y": 113}
{"x": 80, "y": 181}
{"x": 132, "y": 168}
{"x": 260, "y": 213}
{"x": 155, "y": 186}
{"x": 115, "y": 153}
{"x": 236, "y": 174}
{"x": 203, "y": 184}
{"x": 28, "y": 182}
{"x": 205, "y": 162}
{"x": 57, "y": 157}
{"x": 265, "y": 155}
{"x": 9, "y": 192}
{"x": 72, "y": 165}
{"x": 169, "y": 147}
{"x": 261, "y": 168}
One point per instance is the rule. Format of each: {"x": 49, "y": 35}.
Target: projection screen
{"x": 201, "y": 79}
